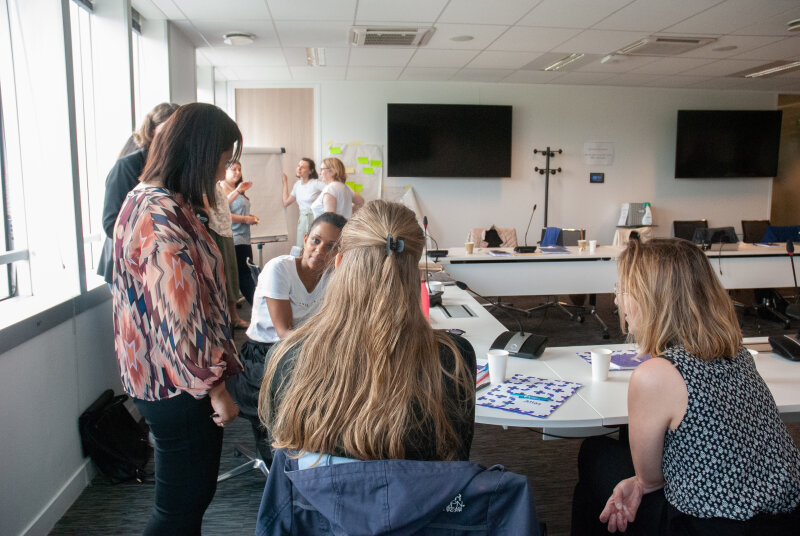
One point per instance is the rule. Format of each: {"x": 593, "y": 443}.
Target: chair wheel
{"x": 579, "y": 318}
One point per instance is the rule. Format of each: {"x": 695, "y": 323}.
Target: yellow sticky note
{"x": 355, "y": 143}
{"x": 368, "y": 171}
{"x": 363, "y": 160}
{"x": 328, "y": 143}
{"x": 335, "y": 150}
{"x": 375, "y": 163}
{"x": 359, "y": 187}
{"x": 349, "y": 170}
{"x": 351, "y": 185}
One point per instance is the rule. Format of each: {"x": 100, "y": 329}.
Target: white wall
{"x": 182, "y": 67}
{"x": 45, "y": 384}
{"x": 640, "y": 122}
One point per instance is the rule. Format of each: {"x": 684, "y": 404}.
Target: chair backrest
{"x": 254, "y": 270}
{"x": 508, "y": 235}
{"x": 567, "y": 237}
{"x": 685, "y": 228}
{"x": 753, "y": 230}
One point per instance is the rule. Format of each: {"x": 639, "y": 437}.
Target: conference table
{"x": 501, "y": 272}
{"x": 595, "y": 405}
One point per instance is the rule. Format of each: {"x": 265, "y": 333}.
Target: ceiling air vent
{"x": 664, "y": 46}
{"x": 370, "y": 36}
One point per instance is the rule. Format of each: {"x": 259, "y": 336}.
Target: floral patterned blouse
{"x": 171, "y": 326}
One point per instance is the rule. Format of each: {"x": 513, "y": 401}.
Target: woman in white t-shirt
{"x": 290, "y": 290}
{"x": 336, "y": 196}
{"x": 305, "y": 191}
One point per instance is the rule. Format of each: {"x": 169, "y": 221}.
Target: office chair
{"x": 753, "y": 230}
{"x": 506, "y": 235}
{"x": 685, "y": 228}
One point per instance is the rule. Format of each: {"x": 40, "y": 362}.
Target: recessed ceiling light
{"x": 613, "y": 58}
{"x": 462, "y": 38}
{"x": 315, "y": 57}
{"x": 563, "y": 62}
{"x": 769, "y": 69}
{"x": 238, "y": 39}
{"x": 725, "y": 48}
{"x": 794, "y": 25}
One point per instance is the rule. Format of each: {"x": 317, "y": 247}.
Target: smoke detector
{"x": 664, "y": 46}
{"x": 237, "y": 39}
{"x": 368, "y": 36}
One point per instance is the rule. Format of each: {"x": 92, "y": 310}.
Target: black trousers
{"x": 246, "y": 284}
{"x": 603, "y": 462}
{"x": 187, "y": 451}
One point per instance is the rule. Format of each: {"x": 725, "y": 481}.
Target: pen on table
{"x": 532, "y": 397}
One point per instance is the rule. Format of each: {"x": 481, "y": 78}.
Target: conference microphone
{"x": 516, "y": 343}
{"x": 435, "y": 253}
{"x": 793, "y": 309}
{"x": 526, "y": 248}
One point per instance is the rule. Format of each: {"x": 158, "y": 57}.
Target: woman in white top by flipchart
{"x": 305, "y": 191}
{"x": 336, "y": 196}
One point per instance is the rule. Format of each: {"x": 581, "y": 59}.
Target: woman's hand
{"x": 244, "y": 186}
{"x": 251, "y": 220}
{"x": 225, "y": 410}
{"x": 285, "y": 179}
{"x": 622, "y": 505}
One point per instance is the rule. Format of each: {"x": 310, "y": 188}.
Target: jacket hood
{"x": 381, "y": 496}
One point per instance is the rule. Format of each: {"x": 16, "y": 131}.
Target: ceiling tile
{"x": 252, "y": 57}
{"x": 262, "y": 73}
{"x": 213, "y": 30}
{"x": 483, "y": 12}
{"x": 676, "y": 81}
{"x": 581, "y": 79}
{"x": 482, "y": 75}
{"x": 169, "y": 9}
{"x": 619, "y": 64}
{"x": 422, "y": 74}
{"x": 229, "y": 9}
{"x": 313, "y": 10}
{"x": 600, "y": 41}
{"x": 653, "y": 15}
{"x": 502, "y": 59}
{"x": 380, "y": 57}
{"x": 531, "y": 77}
{"x": 670, "y": 65}
{"x": 628, "y": 79}
{"x": 571, "y": 13}
{"x": 483, "y": 35}
{"x": 441, "y": 58}
{"x": 785, "y": 49}
{"x": 334, "y": 57}
{"x": 730, "y": 15}
{"x": 532, "y": 39}
{"x": 317, "y": 73}
{"x": 404, "y": 11}
{"x": 775, "y": 25}
{"x": 723, "y": 67}
{"x": 322, "y": 34}
{"x": 741, "y": 42}
{"x": 374, "y": 73}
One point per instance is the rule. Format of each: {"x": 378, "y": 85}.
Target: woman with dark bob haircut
{"x": 708, "y": 452}
{"x": 171, "y": 327}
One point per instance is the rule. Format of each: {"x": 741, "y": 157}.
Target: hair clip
{"x": 394, "y": 245}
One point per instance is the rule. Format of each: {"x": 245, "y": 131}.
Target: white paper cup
{"x": 436, "y": 286}
{"x": 592, "y": 245}
{"x": 601, "y": 362}
{"x": 469, "y": 247}
{"x": 497, "y": 365}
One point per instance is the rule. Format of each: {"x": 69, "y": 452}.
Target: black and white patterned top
{"x": 731, "y": 456}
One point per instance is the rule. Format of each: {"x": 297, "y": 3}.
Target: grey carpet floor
{"x": 551, "y": 466}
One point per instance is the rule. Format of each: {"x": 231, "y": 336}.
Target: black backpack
{"x": 117, "y": 444}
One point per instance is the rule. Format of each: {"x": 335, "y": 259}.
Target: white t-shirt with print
{"x": 344, "y": 199}
{"x": 279, "y": 280}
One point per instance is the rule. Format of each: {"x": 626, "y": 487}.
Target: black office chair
{"x": 685, "y": 228}
{"x": 753, "y": 230}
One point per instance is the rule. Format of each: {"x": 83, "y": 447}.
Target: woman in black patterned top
{"x": 708, "y": 451}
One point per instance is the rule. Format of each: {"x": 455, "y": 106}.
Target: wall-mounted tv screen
{"x": 727, "y": 143}
{"x": 448, "y": 140}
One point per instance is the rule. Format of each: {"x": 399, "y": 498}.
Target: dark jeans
{"x": 603, "y": 462}
{"x": 187, "y": 450}
{"x": 247, "y": 285}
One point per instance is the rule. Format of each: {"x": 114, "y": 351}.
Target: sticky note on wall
{"x": 375, "y": 163}
{"x": 358, "y": 187}
{"x": 368, "y": 171}
{"x": 363, "y": 160}
{"x": 335, "y": 150}
{"x": 349, "y": 170}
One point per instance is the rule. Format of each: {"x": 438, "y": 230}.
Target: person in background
{"x": 171, "y": 328}
{"x": 290, "y": 290}
{"x": 336, "y": 196}
{"x": 234, "y": 188}
{"x": 125, "y": 175}
{"x": 708, "y": 451}
{"x": 305, "y": 191}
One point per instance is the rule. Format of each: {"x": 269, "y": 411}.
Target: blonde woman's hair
{"x": 680, "y": 299}
{"x": 143, "y": 135}
{"x": 368, "y": 373}
{"x": 337, "y": 167}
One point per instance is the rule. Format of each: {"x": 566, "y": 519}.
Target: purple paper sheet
{"x": 620, "y": 359}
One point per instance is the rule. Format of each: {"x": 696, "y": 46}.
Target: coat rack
{"x": 547, "y": 172}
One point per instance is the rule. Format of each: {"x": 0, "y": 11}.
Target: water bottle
{"x": 647, "y": 219}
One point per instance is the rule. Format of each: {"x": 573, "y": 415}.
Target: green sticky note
{"x": 351, "y": 185}
{"x": 336, "y": 150}
{"x": 363, "y": 160}
{"x": 368, "y": 171}
{"x": 358, "y": 187}
{"x": 375, "y": 163}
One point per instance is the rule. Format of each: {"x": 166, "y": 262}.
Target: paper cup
{"x": 601, "y": 362}
{"x": 581, "y": 245}
{"x": 497, "y": 365}
{"x": 752, "y": 352}
{"x": 592, "y": 245}
{"x": 436, "y": 286}
{"x": 469, "y": 247}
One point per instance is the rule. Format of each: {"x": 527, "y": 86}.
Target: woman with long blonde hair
{"x": 367, "y": 377}
{"x": 708, "y": 451}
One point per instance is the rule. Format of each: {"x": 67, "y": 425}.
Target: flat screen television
{"x": 448, "y": 140}
{"x": 727, "y": 143}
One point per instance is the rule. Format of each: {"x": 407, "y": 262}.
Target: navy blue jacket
{"x": 394, "y": 497}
